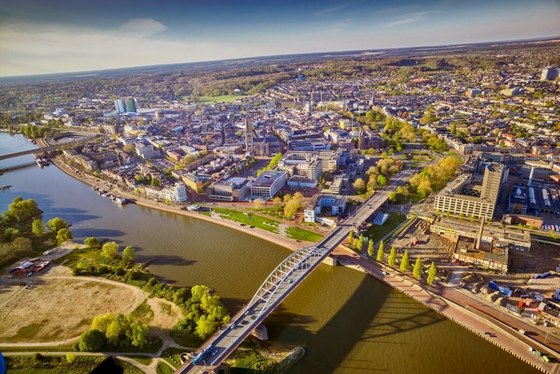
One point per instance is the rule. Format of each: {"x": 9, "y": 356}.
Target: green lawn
{"x": 164, "y": 369}
{"x": 377, "y": 232}
{"x": 219, "y": 99}
{"x": 301, "y": 234}
{"x": 248, "y": 219}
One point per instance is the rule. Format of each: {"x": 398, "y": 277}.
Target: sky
{"x": 50, "y": 36}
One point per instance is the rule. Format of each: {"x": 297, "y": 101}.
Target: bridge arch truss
{"x": 300, "y": 259}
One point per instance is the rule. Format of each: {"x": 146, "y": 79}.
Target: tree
{"x": 91, "y": 242}
{"x": 63, "y": 235}
{"x": 380, "y": 251}
{"x": 382, "y": 180}
{"x": 70, "y": 357}
{"x": 56, "y": 224}
{"x": 370, "y": 248}
{"x": 22, "y": 210}
{"x": 128, "y": 254}
{"x": 359, "y": 186}
{"x": 360, "y": 244}
{"x": 405, "y": 262}
{"x": 137, "y": 334}
{"x": 432, "y": 272}
{"x": 392, "y": 256}
{"x": 37, "y": 227}
{"x": 10, "y": 234}
{"x": 351, "y": 237}
{"x": 92, "y": 340}
{"x": 417, "y": 270}
{"x": 129, "y": 148}
{"x": 110, "y": 250}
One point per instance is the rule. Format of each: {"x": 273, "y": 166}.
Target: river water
{"x": 347, "y": 321}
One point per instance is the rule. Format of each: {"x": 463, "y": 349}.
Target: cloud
{"x": 142, "y": 27}
{"x": 410, "y": 18}
{"x": 325, "y": 11}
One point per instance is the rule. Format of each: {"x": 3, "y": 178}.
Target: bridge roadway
{"x": 47, "y": 149}
{"x": 280, "y": 283}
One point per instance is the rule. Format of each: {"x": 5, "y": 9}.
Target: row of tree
{"x": 434, "y": 177}
{"x": 271, "y": 164}
{"x": 357, "y": 243}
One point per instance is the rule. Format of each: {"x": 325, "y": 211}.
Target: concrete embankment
{"x": 473, "y": 320}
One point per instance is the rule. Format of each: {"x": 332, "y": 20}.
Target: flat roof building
{"x": 465, "y": 197}
{"x": 268, "y": 184}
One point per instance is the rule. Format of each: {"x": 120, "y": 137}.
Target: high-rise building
{"x": 125, "y": 105}
{"x": 120, "y": 106}
{"x": 466, "y": 198}
{"x": 130, "y": 105}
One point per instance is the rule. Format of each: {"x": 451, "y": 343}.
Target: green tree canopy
{"x": 370, "y": 249}
{"x": 21, "y": 210}
{"x": 417, "y": 270}
{"x": 110, "y": 250}
{"x": 432, "y": 272}
{"x": 56, "y": 224}
{"x": 91, "y": 242}
{"x": 405, "y": 262}
{"x": 37, "y": 227}
{"x": 128, "y": 254}
{"x": 380, "y": 251}
{"x": 63, "y": 235}
{"x": 92, "y": 340}
{"x": 392, "y": 256}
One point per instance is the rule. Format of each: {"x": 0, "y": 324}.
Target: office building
{"x": 268, "y": 184}
{"x": 464, "y": 196}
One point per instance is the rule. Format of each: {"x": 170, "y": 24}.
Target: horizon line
{"x": 101, "y": 70}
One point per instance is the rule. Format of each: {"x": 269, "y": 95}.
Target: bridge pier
{"x": 331, "y": 260}
{"x": 260, "y": 332}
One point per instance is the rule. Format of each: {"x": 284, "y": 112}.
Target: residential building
{"x": 337, "y": 205}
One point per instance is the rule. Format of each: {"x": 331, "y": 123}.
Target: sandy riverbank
{"x": 440, "y": 300}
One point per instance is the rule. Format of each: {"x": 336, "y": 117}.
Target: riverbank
{"x": 290, "y": 244}
{"x": 447, "y": 301}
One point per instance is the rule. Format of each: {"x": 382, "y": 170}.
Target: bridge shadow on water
{"x": 371, "y": 313}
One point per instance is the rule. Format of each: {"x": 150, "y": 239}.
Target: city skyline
{"x": 63, "y": 36}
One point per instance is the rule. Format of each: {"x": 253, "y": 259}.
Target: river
{"x": 347, "y": 321}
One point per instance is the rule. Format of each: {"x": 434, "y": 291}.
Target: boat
{"x": 120, "y": 200}
{"x": 4, "y": 188}
{"x": 41, "y": 161}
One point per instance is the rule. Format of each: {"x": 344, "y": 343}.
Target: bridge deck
{"x": 279, "y": 285}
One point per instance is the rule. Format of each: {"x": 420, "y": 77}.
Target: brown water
{"x": 347, "y": 321}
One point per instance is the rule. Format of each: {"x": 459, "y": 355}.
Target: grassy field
{"x": 164, "y": 369}
{"x": 173, "y": 356}
{"x": 248, "y": 219}
{"x": 378, "y": 232}
{"x": 51, "y": 364}
{"x": 301, "y": 234}
{"x": 219, "y": 99}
